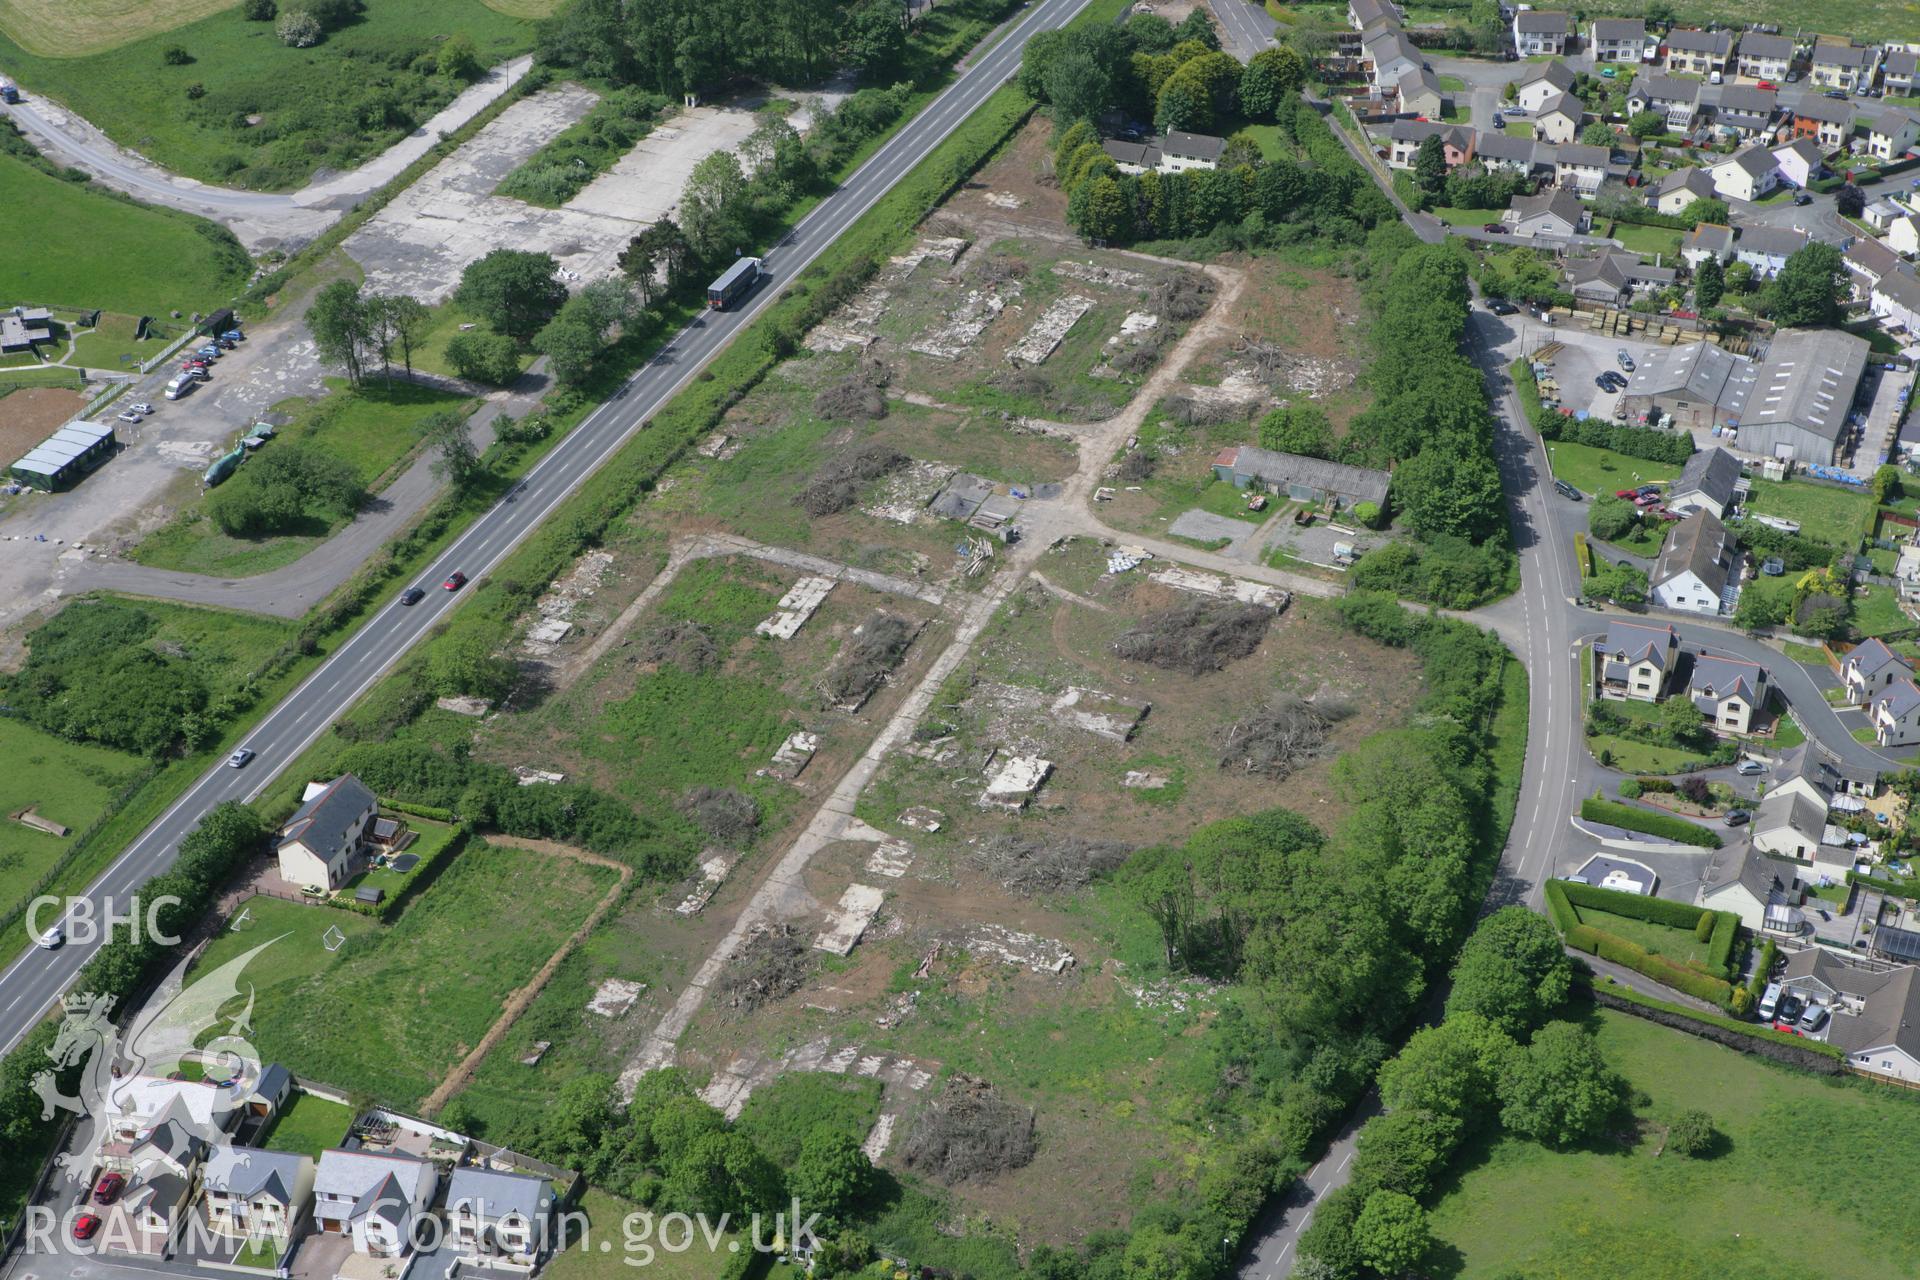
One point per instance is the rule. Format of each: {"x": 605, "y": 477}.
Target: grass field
{"x": 1876, "y": 611}
{"x": 69, "y": 783}
{"x": 429, "y": 839}
{"x": 110, "y": 344}
{"x": 1593, "y": 470}
{"x": 1648, "y": 240}
{"x": 1520, "y": 1209}
{"x": 584, "y": 1258}
{"x": 309, "y": 1126}
{"x": 1632, "y": 756}
{"x": 76, "y": 246}
{"x": 1678, "y": 945}
{"x": 1825, "y": 512}
{"x": 103, "y": 59}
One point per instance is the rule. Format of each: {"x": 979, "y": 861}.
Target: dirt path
{"x": 517, "y": 1003}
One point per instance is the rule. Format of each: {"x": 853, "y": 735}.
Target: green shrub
{"x": 1725, "y": 932}
{"x": 1704, "y": 928}
{"x": 1595, "y": 808}
{"x": 1898, "y": 888}
{"x": 1630, "y": 789}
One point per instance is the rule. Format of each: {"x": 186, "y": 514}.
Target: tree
{"x": 484, "y": 357}
{"x": 876, "y": 39}
{"x": 1680, "y": 721}
{"x": 1705, "y": 209}
{"x": 1659, "y": 14}
{"x": 1559, "y": 1089}
{"x": 1621, "y": 583}
{"x": 1646, "y": 124}
{"x": 1807, "y": 292}
{"x": 458, "y": 58}
{"x": 1274, "y": 76}
{"x": 1198, "y": 25}
{"x": 1451, "y": 487}
{"x": 409, "y": 320}
{"x": 1597, "y": 135}
{"x": 1449, "y": 1069}
{"x": 1430, "y": 163}
{"x": 1099, "y": 210}
{"x": 1509, "y": 91}
{"x": 1081, "y": 83}
{"x": 464, "y": 665}
{"x": 832, "y": 1175}
{"x": 456, "y": 462}
{"x": 1850, "y": 201}
{"x": 512, "y": 291}
{"x": 1391, "y": 1232}
{"x": 1300, "y": 429}
{"x": 1692, "y": 1134}
{"x": 1739, "y": 277}
{"x": 338, "y": 321}
{"x": 1709, "y": 282}
{"x": 298, "y": 29}
{"x": 259, "y": 10}
{"x": 1404, "y": 1150}
{"x": 1182, "y": 106}
{"x": 1513, "y": 971}
{"x": 175, "y": 55}
{"x": 713, "y": 206}
{"x": 1612, "y": 518}
{"x": 571, "y": 346}
{"x": 1150, "y": 33}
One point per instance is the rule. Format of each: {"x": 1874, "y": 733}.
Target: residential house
{"x": 1895, "y": 714}
{"x": 1895, "y": 299}
{"x": 1903, "y": 235}
{"x": 1800, "y": 161}
{"x": 1611, "y": 277}
{"x": 1790, "y": 823}
{"x": 1695, "y": 571}
{"x": 1674, "y": 98}
{"x": 1362, "y": 14}
{"x": 1389, "y": 57}
{"x": 1709, "y": 482}
{"x": 374, "y": 1198}
{"x": 1419, "y": 93}
{"x": 1729, "y": 692}
{"x": 1314, "y": 481}
{"x": 1678, "y": 189}
{"x": 1747, "y": 174}
{"x": 249, "y": 1192}
{"x": 1537, "y": 31}
{"x": 1871, "y": 668}
{"x": 1841, "y": 66}
{"x": 1897, "y": 71}
{"x": 1504, "y": 151}
{"x": 1132, "y": 157}
{"x": 136, "y": 1105}
{"x": 1405, "y": 136}
{"x": 1874, "y": 1010}
{"x": 1181, "y": 151}
{"x": 1740, "y": 878}
{"x": 1617, "y": 39}
{"x": 1764, "y": 57}
{"x": 1867, "y": 261}
{"x": 1540, "y": 83}
{"x": 21, "y": 327}
{"x": 1559, "y": 119}
{"x": 321, "y": 845}
{"x": 1636, "y": 660}
{"x": 1707, "y": 240}
{"x": 1826, "y": 121}
{"x": 151, "y": 1208}
{"x": 1745, "y": 111}
{"x": 1766, "y": 249}
{"x": 171, "y": 1146}
{"x": 1879, "y": 214}
{"x": 499, "y": 1220}
{"x": 1699, "y": 385}
{"x": 1580, "y": 167}
{"x": 1551, "y": 213}
{"x": 1797, "y": 407}
{"x": 1892, "y": 133}
{"x": 1698, "y": 53}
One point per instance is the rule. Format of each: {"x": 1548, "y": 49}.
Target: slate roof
{"x": 1807, "y": 149}
{"x": 1640, "y": 642}
{"x": 1809, "y": 378}
{"x": 1699, "y": 371}
{"x": 1900, "y": 698}
{"x": 1757, "y": 160}
{"x": 1713, "y": 473}
{"x": 1871, "y": 657}
{"x": 1694, "y": 182}
{"x": 1792, "y": 809}
{"x": 1579, "y": 153}
{"x": 1504, "y": 146}
{"x": 1747, "y": 102}
{"x": 1368, "y": 12}
{"x": 1890, "y": 1001}
{"x": 493, "y": 1196}
{"x": 1543, "y": 22}
{"x": 1901, "y": 62}
{"x": 1554, "y": 73}
{"x": 1143, "y": 154}
{"x": 1661, "y": 88}
{"x": 1697, "y": 544}
{"x": 252, "y": 1174}
{"x": 1561, "y": 203}
{"x": 1814, "y": 107}
{"x": 1755, "y": 45}
{"x": 363, "y": 1176}
{"x": 1619, "y": 29}
{"x": 1891, "y": 121}
{"x": 322, "y": 823}
{"x": 1362, "y": 484}
{"x": 1902, "y": 286}
{"x": 1711, "y": 237}
{"x": 1723, "y": 678}
{"x": 1840, "y": 55}
{"x": 1453, "y": 135}
{"x": 1742, "y": 864}
{"x": 1566, "y": 104}
{"x": 1780, "y": 242}
{"x": 1718, "y": 43}
{"x": 1195, "y": 146}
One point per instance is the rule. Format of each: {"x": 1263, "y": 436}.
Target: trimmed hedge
{"x": 1722, "y": 928}
{"x": 1701, "y": 986}
{"x": 1703, "y": 928}
{"x": 417, "y": 883}
{"x": 1743, "y": 1030}
{"x": 1897, "y": 888}
{"x": 1725, "y": 932}
{"x": 1595, "y": 808}
{"x": 1762, "y": 967}
{"x": 431, "y": 812}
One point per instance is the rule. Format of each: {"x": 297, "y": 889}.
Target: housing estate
{"x": 1617, "y": 39}
{"x": 1538, "y": 31}
{"x": 1869, "y": 669}
{"x": 1698, "y": 53}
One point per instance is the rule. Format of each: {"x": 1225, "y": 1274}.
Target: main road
{"x": 33, "y": 983}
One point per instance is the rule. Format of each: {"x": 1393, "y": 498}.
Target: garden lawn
{"x": 1519, "y": 128}
{"x": 1455, "y": 217}
{"x": 1592, "y": 470}
{"x": 430, "y": 356}
{"x": 1827, "y": 513}
{"x": 429, "y": 839}
{"x": 67, "y": 782}
{"x": 1519, "y": 1208}
{"x": 1678, "y": 945}
{"x": 309, "y": 1125}
{"x": 1632, "y": 756}
{"x": 583, "y": 1258}
{"x": 1876, "y": 611}
{"x": 76, "y": 245}
{"x": 110, "y": 344}
{"x": 296, "y": 932}
{"x": 1648, "y": 240}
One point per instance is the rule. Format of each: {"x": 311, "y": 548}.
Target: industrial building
{"x": 1791, "y": 404}
{"x": 64, "y": 457}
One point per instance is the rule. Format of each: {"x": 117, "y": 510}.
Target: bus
{"x": 734, "y": 283}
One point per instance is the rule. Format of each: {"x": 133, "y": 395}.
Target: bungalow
{"x": 1892, "y": 132}
{"x": 1419, "y": 92}
{"x": 1612, "y": 277}
{"x": 1551, "y": 213}
{"x": 1868, "y": 261}
{"x": 1676, "y": 190}
{"x": 1405, "y": 136}
{"x": 499, "y": 1219}
{"x": 1874, "y": 1009}
{"x": 1748, "y": 174}
{"x": 1617, "y": 39}
{"x": 1698, "y": 53}
{"x": 1745, "y": 111}
{"x": 1827, "y": 122}
{"x": 1869, "y": 668}
{"x": 374, "y": 1198}
{"x": 1695, "y": 571}
{"x": 1903, "y": 235}
{"x": 1841, "y": 66}
{"x": 1540, "y": 83}
{"x": 1669, "y": 96}
{"x": 256, "y": 1193}
{"x": 1362, "y": 14}
{"x": 1314, "y": 481}
{"x": 1897, "y": 73}
{"x": 1709, "y": 482}
{"x": 1707, "y": 240}
{"x": 1740, "y": 878}
{"x": 321, "y": 845}
{"x": 1800, "y": 161}
{"x": 1766, "y": 249}
{"x": 1504, "y": 151}
{"x": 1764, "y": 57}
{"x": 1580, "y": 167}
{"x": 1181, "y": 151}
{"x": 1536, "y": 32}
{"x": 1896, "y": 300}
{"x": 1895, "y": 714}
{"x": 1728, "y": 692}
{"x": 1559, "y": 119}
{"x": 1636, "y": 660}
{"x": 1389, "y": 57}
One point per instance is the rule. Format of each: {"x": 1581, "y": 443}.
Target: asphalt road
{"x": 34, "y": 982}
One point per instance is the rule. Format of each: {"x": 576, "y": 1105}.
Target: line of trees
{"x": 352, "y": 328}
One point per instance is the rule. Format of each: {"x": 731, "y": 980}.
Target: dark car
{"x": 413, "y": 595}
{"x": 1494, "y": 228}
{"x": 1840, "y": 94}
{"x": 1791, "y": 1007}
{"x": 1648, "y": 488}
{"x": 1604, "y": 382}
{"x": 1566, "y": 490}
{"x": 1501, "y": 307}
{"x": 107, "y": 1190}
{"x": 454, "y": 582}
{"x": 1801, "y": 197}
{"x": 1738, "y": 818}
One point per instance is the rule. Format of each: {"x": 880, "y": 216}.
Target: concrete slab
{"x": 891, "y": 859}
{"x": 1024, "y": 950}
{"x": 1212, "y": 584}
{"x": 1016, "y": 782}
{"x": 713, "y": 873}
{"x": 793, "y": 756}
{"x": 1050, "y": 330}
{"x": 847, "y": 921}
{"x": 1108, "y": 715}
{"x": 795, "y": 607}
{"x": 644, "y": 185}
{"x": 614, "y": 997}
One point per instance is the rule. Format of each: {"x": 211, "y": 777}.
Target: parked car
{"x": 1646, "y": 500}
{"x": 1608, "y": 73}
{"x": 1749, "y": 768}
{"x": 233, "y": 335}
{"x": 1840, "y": 94}
{"x": 1624, "y": 359}
{"x": 209, "y": 352}
{"x": 1791, "y": 1007}
{"x": 1786, "y": 1027}
{"x": 1767, "y": 85}
{"x": 52, "y": 939}
{"x": 85, "y": 1226}
{"x": 1501, "y": 307}
{"x": 127, "y": 415}
{"x": 238, "y": 760}
{"x": 413, "y": 595}
{"x": 1494, "y": 228}
{"x": 1669, "y": 514}
{"x": 1815, "y": 1016}
{"x": 141, "y": 406}
{"x": 454, "y": 582}
{"x": 1566, "y": 490}
{"x": 1628, "y": 494}
{"x": 1738, "y": 818}
{"x": 1648, "y": 488}
{"x": 1801, "y": 197}
{"x": 107, "y": 1190}
{"x": 1499, "y": 119}
{"x": 1769, "y": 1001}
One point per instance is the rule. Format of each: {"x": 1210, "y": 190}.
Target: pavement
{"x": 262, "y": 220}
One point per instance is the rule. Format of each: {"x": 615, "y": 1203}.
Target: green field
{"x": 1594, "y": 471}
{"x": 1827, "y": 513}
{"x": 1648, "y": 240}
{"x": 309, "y": 1125}
{"x": 1632, "y": 756}
{"x": 110, "y": 343}
{"x": 1517, "y": 1208}
{"x": 1678, "y": 945}
{"x": 1877, "y": 612}
{"x": 64, "y": 781}
{"x": 332, "y": 106}
{"x": 584, "y": 1259}
{"x": 73, "y": 245}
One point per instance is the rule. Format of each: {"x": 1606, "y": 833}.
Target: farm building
{"x": 1311, "y": 480}
{"x": 21, "y": 327}
{"x": 64, "y": 457}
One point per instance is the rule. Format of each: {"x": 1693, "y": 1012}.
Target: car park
{"x": 413, "y": 595}
{"x": 454, "y": 582}
{"x": 238, "y": 760}
{"x": 52, "y": 939}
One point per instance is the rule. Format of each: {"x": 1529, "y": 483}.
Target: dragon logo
{"x": 118, "y": 1073}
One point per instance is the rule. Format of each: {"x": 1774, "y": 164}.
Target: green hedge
{"x": 1564, "y": 896}
{"x": 1703, "y": 928}
{"x": 432, "y": 812}
{"x": 1634, "y": 906}
{"x": 1897, "y": 888}
{"x": 1747, "y": 1029}
{"x": 1701, "y": 986}
{"x": 1597, "y": 809}
{"x": 1762, "y": 967}
{"x": 1726, "y": 931}
{"x": 417, "y": 881}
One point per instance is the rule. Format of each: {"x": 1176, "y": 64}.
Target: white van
{"x": 1769, "y": 1001}
{"x": 181, "y": 384}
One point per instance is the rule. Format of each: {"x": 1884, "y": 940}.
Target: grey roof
{"x": 1889, "y": 999}
{"x": 1870, "y": 257}
{"x": 1698, "y": 543}
{"x": 1757, "y": 160}
{"x": 493, "y": 1196}
{"x": 1713, "y": 473}
{"x": 1891, "y": 121}
{"x": 1565, "y": 103}
{"x": 355, "y": 1174}
{"x": 1743, "y": 864}
{"x": 1143, "y": 154}
{"x": 1603, "y": 270}
{"x": 1561, "y": 203}
{"x": 1871, "y": 657}
{"x": 274, "y": 1082}
{"x": 59, "y": 450}
{"x": 1368, "y": 12}
{"x": 1503, "y": 146}
{"x": 386, "y": 1200}
{"x": 1663, "y": 88}
{"x": 1902, "y": 286}
{"x": 1813, "y": 106}
{"x": 1841, "y": 55}
{"x": 157, "y": 1192}
{"x": 1420, "y": 130}
{"x": 1554, "y": 73}
{"x": 1362, "y": 484}
{"x": 1755, "y": 45}
{"x": 1579, "y": 153}
{"x": 253, "y": 1174}
{"x": 1809, "y": 379}
{"x": 1723, "y": 678}
{"x": 1390, "y": 43}
{"x": 1543, "y": 22}
{"x": 1901, "y": 62}
{"x": 1712, "y": 237}
{"x": 1900, "y": 698}
{"x": 1777, "y": 241}
{"x": 1619, "y": 29}
{"x": 1793, "y": 809}
{"x": 1419, "y": 78}
{"x": 173, "y": 1139}
{"x": 1747, "y": 102}
{"x": 322, "y": 823}
{"x": 1637, "y": 642}
{"x": 1699, "y": 371}
{"x": 1195, "y": 146}
{"x": 1807, "y": 149}
{"x": 1693, "y": 181}
{"x": 1719, "y": 43}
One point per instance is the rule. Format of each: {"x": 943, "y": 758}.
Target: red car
{"x": 1787, "y": 1027}
{"x": 1647, "y": 500}
{"x": 1766, "y": 84}
{"x": 454, "y": 582}
{"x": 85, "y": 1225}
{"x": 107, "y": 1190}
{"x": 1628, "y": 494}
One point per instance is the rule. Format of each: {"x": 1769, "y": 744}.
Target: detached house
{"x": 1764, "y": 57}
{"x": 1742, "y": 879}
{"x": 1748, "y": 174}
{"x": 1636, "y": 661}
{"x": 1696, "y": 566}
{"x": 1420, "y": 95}
{"x": 1827, "y": 122}
{"x": 1698, "y": 53}
{"x": 1540, "y": 83}
{"x": 1669, "y": 96}
{"x": 1405, "y": 136}
{"x": 1580, "y": 167}
{"x": 1709, "y": 482}
{"x": 1727, "y": 691}
{"x": 1897, "y": 72}
{"x": 254, "y": 1193}
{"x": 1362, "y": 14}
{"x": 1707, "y": 240}
{"x": 1536, "y": 32}
{"x": 1559, "y": 119}
{"x": 1678, "y": 189}
{"x": 1181, "y": 151}
{"x": 1870, "y": 669}
{"x": 499, "y": 1219}
{"x": 322, "y": 844}
{"x": 1892, "y": 132}
{"x": 1875, "y": 1010}
{"x": 1745, "y": 111}
{"x": 374, "y": 1198}
{"x": 1800, "y": 161}
{"x": 1895, "y": 714}
{"x": 1618, "y": 39}
{"x": 1841, "y": 66}
{"x": 1551, "y": 213}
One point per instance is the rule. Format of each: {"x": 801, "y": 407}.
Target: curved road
{"x": 33, "y": 983}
